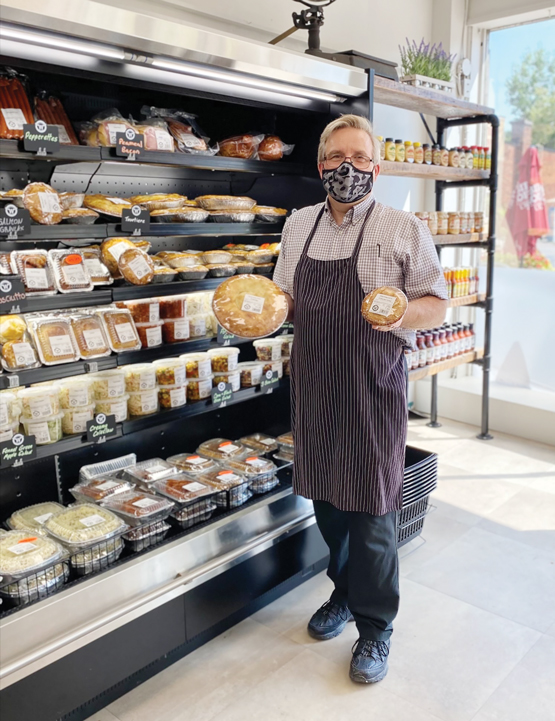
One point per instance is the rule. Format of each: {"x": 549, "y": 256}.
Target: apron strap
{"x": 358, "y": 245}
{"x": 311, "y": 234}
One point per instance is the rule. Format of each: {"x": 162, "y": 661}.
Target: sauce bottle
{"x": 444, "y": 156}
{"x": 447, "y": 276}
{"x": 389, "y": 149}
{"x": 456, "y": 341}
{"x": 436, "y": 155}
{"x": 382, "y": 147}
{"x": 427, "y": 148}
{"x": 469, "y": 158}
{"x": 443, "y": 341}
{"x": 482, "y": 158}
{"x": 488, "y": 158}
{"x": 409, "y": 152}
{"x": 449, "y": 340}
{"x": 421, "y": 345}
{"x": 472, "y": 336}
{"x": 408, "y": 358}
{"x": 437, "y": 346}
{"x": 399, "y": 151}
{"x": 418, "y": 153}
{"x": 475, "y": 157}
{"x": 430, "y": 348}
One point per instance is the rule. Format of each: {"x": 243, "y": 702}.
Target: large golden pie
{"x": 384, "y": 306}
{"x": 250, "y": 306}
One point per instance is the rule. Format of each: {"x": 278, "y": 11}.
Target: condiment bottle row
{"x": 456, "y": 222}
{"x": 439, "y": 344}
{"x": 461, "y": 281}
{"x": 405, "y": 151}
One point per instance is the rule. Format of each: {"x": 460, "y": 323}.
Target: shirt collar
{"x": 356, "y": 213}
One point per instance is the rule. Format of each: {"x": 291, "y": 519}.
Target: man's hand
{"x": 423, "y": 313}
{"x": 391, "y": 326}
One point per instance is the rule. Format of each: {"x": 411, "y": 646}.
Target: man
{"x": 348, "y": 380}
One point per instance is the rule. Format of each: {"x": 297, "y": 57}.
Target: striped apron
{"x": 348, "y": 391}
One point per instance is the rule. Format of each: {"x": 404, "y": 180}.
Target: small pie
{"x": 250, "y": 306}
{"x": 384, "y": 306}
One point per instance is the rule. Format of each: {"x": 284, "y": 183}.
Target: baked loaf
{"x": 384, "y": 306}
{"x": 159, "y": 201}
{"x": 250, "y": 306}
{"x": 240, "y": 146}
{"x": 271, "y": 148}
{"x": 110, "y": 252}
{"x": 43, "y": 203}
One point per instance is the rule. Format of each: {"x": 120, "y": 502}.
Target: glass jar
{"x": 475, "y": 157}
{"x": 454, "y": 223}
{"x": 382, "y": 147}
{"x": 464, "y": 223}
{"x": 389, "y": 149}
{"x": 454, "y": 157}
{"x": 442, "y": 223}
{"x": 418, "y": 153}
{"x": 478, "y": 222}
{"x": 427, "y": 148}
{"x": 469, "y": 158}
{"x": 432, "y": 222}
{"x": 444, "y": 156}
{"x": 409, "y": 152}
{"x": 436, "y": 155}
{"x": 399, "y": 151}
{"x": 423, "y": 217}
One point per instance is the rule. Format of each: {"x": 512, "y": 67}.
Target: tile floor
{"x": 474, "y": 639}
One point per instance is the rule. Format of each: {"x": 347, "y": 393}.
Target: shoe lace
{"x": 377, "y": 650}
{"x": 332, "y": 610}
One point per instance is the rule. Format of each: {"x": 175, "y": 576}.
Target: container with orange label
{"x": 70, "y": 272}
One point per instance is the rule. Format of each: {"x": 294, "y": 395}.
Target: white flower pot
{"x": 422, "y": 81}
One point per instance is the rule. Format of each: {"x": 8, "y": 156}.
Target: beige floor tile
{"x": 484, "y": 459}
{"x": 103, "y": 715}
{"x": 528, "y": 692}
{"x": 210, "y": 678}
{"x": 528, "y": 517}
{"x": 447, "y": 656}
{"x": 497, "y": 574}
{"x": 539, "y": 451}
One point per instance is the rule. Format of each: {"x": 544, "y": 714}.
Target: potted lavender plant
{"x": 427, "y": 66}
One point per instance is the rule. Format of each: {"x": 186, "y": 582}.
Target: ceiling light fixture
{"x": 60, "y": 42}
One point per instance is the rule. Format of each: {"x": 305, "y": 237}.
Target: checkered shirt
{"x": 397, "y": 250}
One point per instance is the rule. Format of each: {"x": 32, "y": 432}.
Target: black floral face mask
{"x": 347, "y": 184}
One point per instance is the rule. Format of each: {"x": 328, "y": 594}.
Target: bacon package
{"x": 184, "y": 129}
{"x": 51, "y": 110}
{"x": 15, "y": 109}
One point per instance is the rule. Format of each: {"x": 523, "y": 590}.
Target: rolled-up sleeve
{"x": 421, "y": 266}
{"x": 283, "y": 274}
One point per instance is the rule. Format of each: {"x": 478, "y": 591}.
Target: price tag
{"x": 101, "y": 427}
{"x": 269, "y": 381}
{"x": 14, "y": 222}
{"x": 12, "y": 295}
{"x": 135, "y": 220}
{"x": 41, "y": 138}
{"x": 129, "y": 144}
{"x": 17, "y": 450}
{"x": 221, "y": 394}
{"x": 224, "y": 336}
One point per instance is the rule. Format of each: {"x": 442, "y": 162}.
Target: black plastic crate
{"x": 420, "y": 479}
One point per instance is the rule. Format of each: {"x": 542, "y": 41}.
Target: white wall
{"x": 496, "y": 13}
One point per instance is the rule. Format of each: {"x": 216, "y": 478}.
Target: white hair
{"x": 348, "y": 121}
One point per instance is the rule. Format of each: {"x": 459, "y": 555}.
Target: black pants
{"x": 363, "y": 566}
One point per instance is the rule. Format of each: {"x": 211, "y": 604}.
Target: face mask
{"x": 346, "y": 184}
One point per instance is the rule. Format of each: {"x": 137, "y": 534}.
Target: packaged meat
{"x": 173, "y": 306}
{"x": 234, "y": 484}
{"x": 268, "y": 349}
{"x": 136, "y": 266}
{"x": 88, "y": 134}
{"x": 140, "y": 377}
{"x": 216, "y": 257}
{"x": 233, "y": 377}
{"x": 183, "y": 128}
{"x": 231, "y": 216}
{"x": 90, "y": 336}
{"x": 195, "y": 512}
{"x": 22, "y": 554}
{"x": 107, "y": 205}
{"x": 199, "y": 388}
{"x": 39, "y": 402}
{"x": 181, "y": 489}
{"x": 15, "y": 110}
{"x": 221, "y": 270}
{"x": 109, "y": 384}
{"x": 199, "y": 325}
{"x": 71, "y": 201}
{"x": 150, "y": 334}
{"x": 54, "y": 340}
{"x": 223, "y": 359}
{"x": 157, "y": 135}
{"x": 250, "y": 306}
{"x": 70, "y": 272}
{"x": 225, "y": 202}
{"x": 51, "y": 110}
{"x": 183, "y": 214}
{"x": 175, "y": 330}
{"x": 75, "y": 392}
{"x": 84, "y": 524}
{"x": 146, "y": 472}
{"x": 197, "y": 365}
{"x": 138, "y": 508}
{"x": 43, "y": 203}
{"x": 384, "y": 306}
{"x": 268, "y": 214}
{"x": 98, "y": 270}
{"x": 120, "y": 329}
{"x": 173, "y": 396}
{"x": 222, "y": 450}
{"x": 273, "y": 148}
{"x": 159, "y": 201}
{"x": 33, "y": 517}
{"x": 35, "y": 270}
{"x": 75, "y": 420}
{"x": 47, "y": 430}
{"x": 260, "y": 257}
{"x": 170, "y": 371}
{"x": 143, "y": 403}
{"x": 109, "y": 123}
{"x": 79, "y": 216}
{"x": 142, "y": 537}
{"x": 241, "y": 146}
{"x": 251, "y": 373}
{"x": 116, "y": 407}
{"x": 192, "y": 463}
{"x": 259, "y": 442}
{"x": 195, "y": 272}
{"x": 98, "y": 489}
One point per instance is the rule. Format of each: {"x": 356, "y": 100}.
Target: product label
{"x": 197, "y": 327}
{"x": 147, "y": 380}
{"x": 74, "y": 275}
{"x": 40, "y": 431}
{"x": 204, "y": 368}
{"x": 125, "y": 332}
{"x": 422, "y": 358}
{"x": 153, "y": 336}
{"x": 24, "y": 354}
{"x": 107, "y": 485}
{"x": 222, "y": 393}
{"x": 268, "y": 441}
{"x": 42, "y": 519}
{"x": 116, "y": 387}
{"x": 36, "y": 278}
{"x": 179, "y": 375}
{"x": 164, "y": 141}
{"x": 3, "y": 415}
{"x": 252, "y": 303}
{"x": 227, "y": 447}
{"x": 118, "y": 248}
{"x": 154, "y": 312}
{"x": 118, "y": 201}
{"x": 177, "y": 397}
{"x": 194, "y": 487}
{"x": 383, "y": 304}
{"x": 96, "y": 268}
{"x": 145, "y": 503}
{"x": 149, "y": 402}
{"x": 195, "y": 460}
{"x": 93, "y": 339}
{"x": 22, "y": 546}
{"x": 101, "y": 427}
{"x": 232, "y": 362}
{"x": 224, "y": 336}
{"x": 204, "y": 388}
{"x": 269, "y": 381}
{"x": 129, "y": 144}
{"x": 228, "y": 477}
{"x": 256, "y": 375}
{"x": 256, "y": 462}
{"x": 181, "y": 330}
{"x": 14, "y": 117}
{"x": 80, "y": 421}
{"x": 40, "y": 407}
{"x": 139, "y": 267}
{"x": 41, "y": 138}
{"x": 113, "y": 129}
{"x": 62, "y": 134}
{"x": 61, "y": 345}
{"x": 119, "y": 411}
{"x": 49, "y": 203}
{"x": 90, "y": 521}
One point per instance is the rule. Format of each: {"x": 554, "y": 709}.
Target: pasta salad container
{"x": 109, "y": 384}
{"x": 35, "y": 270}
{"x": 74, "y": 420}
{"x": 140, "y": 377}
{"x": 192, "y": 463}
{"x": 138, "y": 508}
{"x": 143, "y": 403}
{"x": 75, "y": 392}
{"x": 120, "y": 329}
{"x": 10, "y": 409}
{"x": 90, "y": 336}
{"x": 95, "y": 490}
{"x": 83, "y": 525}
{"x": 33, "y": 518}
{"x": 46, "y": 430}
{"x": 54, "y": 340}
{"x": 70, "y": 272}
{"x": 116, "y": 407}
{"x": 39, "y": 402}
{"x": 199, "y": 325}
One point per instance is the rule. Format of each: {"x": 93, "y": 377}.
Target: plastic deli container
{"x": 260, "y": 472}
{"x": 170, "y": 371}
{"x": 268, "y": 349}
{"x": 224, "y": 359}
{"x": 195, "y": 513}
{"x": 143, "y": 403}
{"x": 116, "y": 407}
{"x": 138, "y": 508}
{"x": 54, "y": 340}
{"x": 142, "y": 537}
{"x": 199, "y": 388}
{"x": 150, "y": 334}
{"x": 192, "y": 463}
{"x": 10, "y": 409}
{"x": 173, "y": 396}
{"x": 173, "y": 306}
{"x": 146, "y": 472}
{"x": 234, "y": 484}
{"x": 234, "y": 377}
{"x": 39, "y": 402}
{"x": 35, "y": 270}
{"x": 140, "y": 377}
{"x": 120, "y": 328}
{"x": 144, "y": 311}
{"x": 285, "y": 446}
{"x": 251, "y": 373}
{"x": 74, "y": 420}
{"x": 98, "y": 270}
{"x": 90, "y": 336}
{"x": 33, "y": 517}
{"x": 222, "y": 450}
{"x": 286, "y": 343}
{"x": 99, "y": 489}
{"x": 259, "y": 442}
{"x": 45, "y": 430}
{"x": 286, "y": 360}
{"x": 181, "y": 489}
{"x": 75, "y": 392}
{"x": 274, "y": 366}
{"x": 70, "y": 271}
{"x": 198, "y": 325}
{"x": 176, "y": 330}
{"x": 109, "y": 384}
{"x": 197, "y": 365}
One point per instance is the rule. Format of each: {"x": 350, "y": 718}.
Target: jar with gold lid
{"x": 436, "y": 155}
{"x": 465, "y": 225}
{"x": 409, "y": 152}
{"x": 427, "y": 148}
{"x": 418, "y": 153}
{"x": 454, "y": 157}
{"x": 478, "y": 222}
{"x": 423, "y": 216}
{"x": 454, "y": 223}
{"x": 432, "y": 222}
{"x": 389, "y": 149}
{"x": 399, "y": 151}
{"x": 444, "y": 156}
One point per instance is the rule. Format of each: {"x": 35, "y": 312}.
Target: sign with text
{"x": 222, "y": 394}
{"x": 130, "y": 145}
{"x": 135, "y": 220}
{"x": 12, "y": 294}
{"x": 286, "y": 328}
{"x": 269, "y": 381}
{"x": 41, "y": 138}
{"x": 224, "y": 336}
{"x": 14, "y": 222}
{"x": 17, "y": 450}
{"x": 100, "y": 428}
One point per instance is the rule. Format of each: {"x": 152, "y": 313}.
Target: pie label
{"x": 107, "y": 485}
{"x": 125, "y": 332}
{"x": 96, "y": 268}
{"x": 139, "y": 267}
{"x": 227, "y": 447}
{"x": 74, "y": 275}
{"x": 36, "y": 278}
{"x": 49, "y": 203}
{"x": 228, "y": 476}
{"x": 24, "y": 354}
{"x": 145, "y": 503}
{"x": 252, "y": 303}
{"x": 93, "y": 341}
{"x": 194, "y": 487}
{"x": 90, "y": 521}
{"x": 195, "y": 460}
{"x": 61, "y": 345}
{"x": 117, "y": 249}
{"x": 382, "y": 304}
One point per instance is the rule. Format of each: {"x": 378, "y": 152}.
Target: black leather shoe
{"x": 369, "y": 662}
{"x": 329, "y": 620}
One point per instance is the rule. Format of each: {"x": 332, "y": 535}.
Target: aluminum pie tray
{"x": 191, "y": 215}
{"x": 231, "y": 216}
{"x": 85, "y": 219}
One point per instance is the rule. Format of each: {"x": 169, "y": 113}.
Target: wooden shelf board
{"x": 458, "y": 239}
{"x": 467, "y": 300}
{"x": 420, "y": 373}
{"x": 430, "y": 172}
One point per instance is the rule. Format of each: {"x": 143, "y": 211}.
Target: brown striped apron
{"x": 348, "y": 391}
